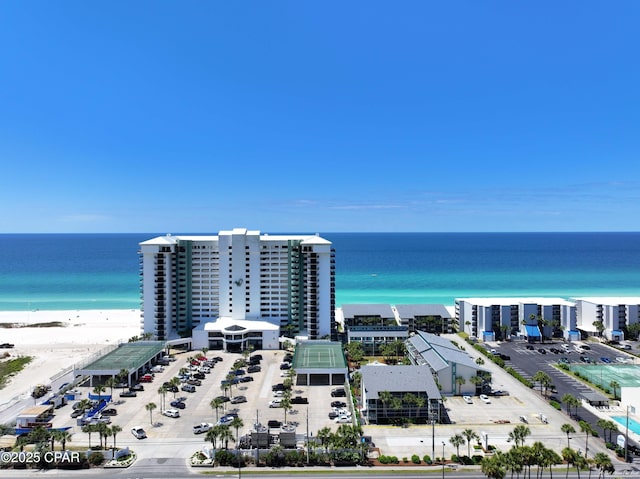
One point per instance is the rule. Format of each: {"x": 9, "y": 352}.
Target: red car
{"x": 147, "y": 378}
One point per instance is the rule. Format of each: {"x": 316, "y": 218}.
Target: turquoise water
{"x": 100, "y": 271}
{"x": 633, "y": 424}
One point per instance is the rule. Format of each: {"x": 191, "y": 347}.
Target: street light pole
{"x": 442, "y": 459}
{"x": 433, "y": 439}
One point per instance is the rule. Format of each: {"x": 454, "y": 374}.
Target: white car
{"x": 467, "y": 399}
{"x": 138, "y": 432}
{"x": 343, "y": 419}
{"x": 485, "y": 399}
{"x": 278, "y": 394}
{"x": 202, "y": 427}
{"x": 171, "y": 413}
{"x": 275, "y": 403}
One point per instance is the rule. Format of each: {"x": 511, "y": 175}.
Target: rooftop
{"x": 398, "y": 379}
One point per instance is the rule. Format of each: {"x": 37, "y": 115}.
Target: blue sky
{"x": 319, "y": 116}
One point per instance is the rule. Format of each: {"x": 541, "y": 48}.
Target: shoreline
{"x": 62, "y": 339}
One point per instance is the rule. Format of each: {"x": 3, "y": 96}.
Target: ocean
{"x": 101, "y": 271}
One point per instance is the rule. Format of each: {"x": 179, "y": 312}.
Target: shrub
{"x": 96, "y": 458}
{"x": 415, "y": 459}
{"x": 405, "y": 460}
{"x": 224, "y": 457}
{"x": 454, "y": 458}
{"x": 477, "y": 459}
{"x": 427, "y": 459}
{"x": 556, "y": 405}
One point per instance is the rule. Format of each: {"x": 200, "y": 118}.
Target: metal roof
{"x": 382, "y": 310}
{"x": 398, "y": 379}
{"x": 413, "y": 310}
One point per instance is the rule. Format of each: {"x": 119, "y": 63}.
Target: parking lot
{"x": 131, "y": 411}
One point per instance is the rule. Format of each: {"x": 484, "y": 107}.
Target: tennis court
{"x": 319, "y": 355}
{"x": 626, "y": 375}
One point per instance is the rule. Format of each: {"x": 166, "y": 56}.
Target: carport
{"x": 131, "y": 357}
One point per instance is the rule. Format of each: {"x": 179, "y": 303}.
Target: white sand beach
{"x": 81, "y": 335}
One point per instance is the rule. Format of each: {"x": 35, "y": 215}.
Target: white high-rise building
{"x": 237, "y": 288}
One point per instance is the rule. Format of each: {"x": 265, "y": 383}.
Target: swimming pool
{"x": 634, "y": 426}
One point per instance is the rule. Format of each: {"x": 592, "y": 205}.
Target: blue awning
{"x": 533, "y": 331}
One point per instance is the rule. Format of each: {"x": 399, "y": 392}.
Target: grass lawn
{"x": 12, "y": 366}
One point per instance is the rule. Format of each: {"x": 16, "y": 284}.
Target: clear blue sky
{"x": 134, "y": 116}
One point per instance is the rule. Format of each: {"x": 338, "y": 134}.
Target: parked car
{"x": 485, "y": 399}
{"x": 137, "y": 387}
{"x": 194, "y": 382}
{"x": 199, "y": 375}
{"x": 128, "y": 394}
{"x": 604, "y": 359}
{"x": 77, "y": 413}
{"x": 7, "y": 345}
{"x": 274, "y": 424}
{"x": 225, "y": 420}
{"x": 275, "y": 403}
{"x": 171, "y": 413}
{"x": 505, "y": 357}
{"x": 223, "y": 398}
{"x": 189, "y": 388}
{"x": 338, "y": 392}
{"x": 338, "y": 404}
{"x": 138, "y": 432}
{"x": 109, "y": 412}
{"x": 342, "y": 419}
{"x": 178, "y": 404}
{"x": 542, "y": 351}
{"x": 238, "y": 399}
{"x": 254, "y": 368}
{"x": 202, "y": 427}
{"x": 529, "y": 347}
{"x": 333, "y": 415}
{"x": 278, "y": 387}
{"x": 147, "y": 378}
{"x": 285, "y": 366}
{"x": 245, "y": 379}
{"x": 467, "y": 399}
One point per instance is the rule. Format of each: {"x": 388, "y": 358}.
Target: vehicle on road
{"x": 202, "y": 427}
{"x": 138, "y": 432}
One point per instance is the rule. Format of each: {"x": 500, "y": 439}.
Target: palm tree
{"x": 603, "y": 463}
{"x": 150, "y": 407}
{"x": 99, "y": 389}
{"x": 115, "y": 429}
{"x": 162, "y": 391}
{"x": 456, "y": 441}
{"x": 324, "y": 435}
{"x": 286, "y": 404}
{"x": 567, "y": 429}
{"x": 64, "y": 437}
{"x": 476, "y": 381}
{"x": 570, "y": 400}
{"x": 385, "y": 397}
{"x": 493, "y": 466}
{"x": 175, "y": 382}
{"x": 588, "y": 430}
{"x": 543, "y": 379}
{"x": 460, "y": 381}
{"x": 569, "y": 456}
{"x": 470, "y": 435}
{"x": 615, "y": 385}
{"x": 237, "y": 423}
{"x": 212, "y": 436}
{"x": 103, "y": 432}
{"x": 519, "y": 434}
{"x": 216, "y": 403}
{"x": 88, "y": 429}
{"x": 110, "y": 382}
{"x": 224, "y": 433}
{"x": 419, "y": 402}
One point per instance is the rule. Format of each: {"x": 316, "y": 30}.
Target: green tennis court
{"x": 318, "y": 355}
{"x": 626, "y": 375}
{"x": 127, "y": 356}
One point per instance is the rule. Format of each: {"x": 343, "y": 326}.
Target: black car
{"x": 338, "y": 404}
{"x": 254, "y": 368}
{"x": 273, "y": 423}
{"x": 217, "y": 359}
{"x": 333, "y": 415}
{"x": 178, "y": 404}
{"x": 505, "y": 357}
{"x": 199, "y": 375}
{"x": 128, "y": 394}
{"x": 257, "y": 356}
{"x": 246, "y": 379}
{"x": 278, "y": 387}
{"x": 336, "y": 393}
{"x": 6, "y": 345}
{"x": 285, "y": 366}
{"x": 542, "y": 351}
{"x": 172, "y": 389}
{"x": 299, "y": 400}
{"x": 109, "y": 412}
{"x": 254, "y": 362}
{"x": 529, "y": 347}
{"x": 223, "y": 398}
